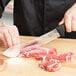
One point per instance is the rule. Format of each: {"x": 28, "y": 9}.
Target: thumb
{"x": 61, "y": 22}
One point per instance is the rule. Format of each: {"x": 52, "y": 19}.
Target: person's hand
{"x": 70, "y": 19}
{"x": 9, "y": 35}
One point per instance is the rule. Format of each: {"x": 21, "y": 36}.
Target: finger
{"x": 61, "y": 22}
{"x": 68, "y": 23}
{"x": 73, "y": 24}
{"x": 17, "y": 40}
{"x": 7, "y": 38}
{"x": 14, "y": 34}
{"x": 17, "y": 35}
{"x": 3, "y": 39}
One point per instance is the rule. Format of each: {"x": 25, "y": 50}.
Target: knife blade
{"x": 14, "y": 51}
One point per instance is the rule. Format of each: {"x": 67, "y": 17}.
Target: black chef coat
{"x": 36, "y": 17}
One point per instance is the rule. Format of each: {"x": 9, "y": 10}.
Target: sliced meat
{"x": 49, "y": 59}
{"x": 51, "y": 65}
{"x": 43, "y": 64}
{"x": 38, "y": 53}
{"x": 54, "y": 65}
{"x": 67, "y": 57}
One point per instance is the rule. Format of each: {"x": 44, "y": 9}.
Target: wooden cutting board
{"x": 29, "y": 67}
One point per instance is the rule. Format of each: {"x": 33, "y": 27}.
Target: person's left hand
{"x": 9, "y": 35}
{"x": 70, "y": 19}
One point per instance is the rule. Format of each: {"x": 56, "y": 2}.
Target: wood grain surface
{"x": 29, "y": 67}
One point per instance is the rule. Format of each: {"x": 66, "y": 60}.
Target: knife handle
{"x": 61, "y": 30}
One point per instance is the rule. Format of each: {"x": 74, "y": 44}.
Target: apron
{"x": 36, "y": 17}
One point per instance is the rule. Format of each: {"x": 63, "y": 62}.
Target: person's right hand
{"x": 9, "y": 35}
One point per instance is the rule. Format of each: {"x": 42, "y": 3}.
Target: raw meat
{"x": 50, "y": 65}
{"x": 67, "y": 57}
{"x": 43, "y": 64}
{"x": 40, "y": 52}
{"x": 49, "y": 59}
{"x": 54, "y": 65}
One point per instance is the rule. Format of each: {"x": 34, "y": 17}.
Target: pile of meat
{"x": 49, "y": 59}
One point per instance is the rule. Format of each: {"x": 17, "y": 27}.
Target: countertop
{"x": 29, "y": 67}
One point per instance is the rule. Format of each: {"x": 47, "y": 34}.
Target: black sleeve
{"x": 3, "y": 3}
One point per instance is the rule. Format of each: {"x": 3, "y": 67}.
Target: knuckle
{"x": 14, "y": 27}
{"x": 5, "y": 30}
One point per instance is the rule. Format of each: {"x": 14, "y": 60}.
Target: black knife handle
{"x": 61, "y": 30}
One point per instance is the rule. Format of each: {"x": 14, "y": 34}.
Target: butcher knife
{"x": 14, "y": 51}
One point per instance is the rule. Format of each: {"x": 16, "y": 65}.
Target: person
{"x": 36, "y": 17}
{"x": 9, "y": 35}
